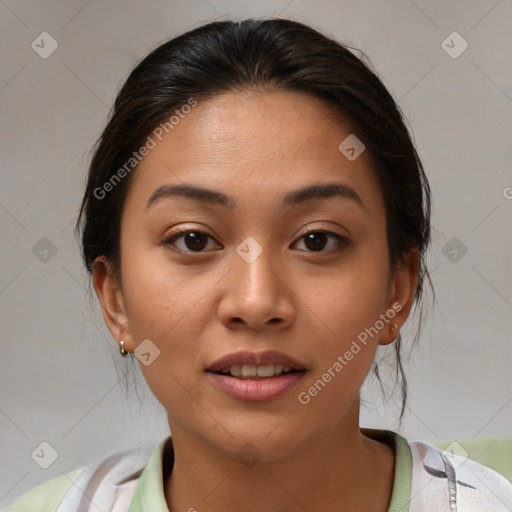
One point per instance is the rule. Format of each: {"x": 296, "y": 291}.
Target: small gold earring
{"x": 122, "y": 349}
{"x": 394, "y": 326}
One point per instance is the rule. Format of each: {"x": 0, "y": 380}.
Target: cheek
{"x": 157, "y": 295}
{"x": 354, "y": 296}
{"x": 163, "y": 306}
{"x": 347, "y": 307}
{"x": 345, "y": 345}
{"x": 165, "y": 312}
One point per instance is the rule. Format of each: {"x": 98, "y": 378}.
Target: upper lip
{"x": 255, "y": 358}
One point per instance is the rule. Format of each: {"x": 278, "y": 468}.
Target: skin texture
{"x": 307, "y": 301}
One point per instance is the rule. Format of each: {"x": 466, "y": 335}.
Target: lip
{"x": 252, "y": 390}
{"x": 255, "y": 358}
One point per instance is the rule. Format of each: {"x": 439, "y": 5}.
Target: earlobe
{"x": 111, "y": 299}
{"x": 402, "y": 291}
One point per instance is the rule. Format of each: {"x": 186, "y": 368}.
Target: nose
{"x": 256, "y": 294}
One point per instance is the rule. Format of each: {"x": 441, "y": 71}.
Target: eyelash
{"x": 341, "y": 241}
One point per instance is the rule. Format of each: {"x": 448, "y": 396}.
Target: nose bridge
{"x": 255, "y": 268}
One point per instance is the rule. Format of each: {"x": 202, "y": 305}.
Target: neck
{"x": 332, "y": 472}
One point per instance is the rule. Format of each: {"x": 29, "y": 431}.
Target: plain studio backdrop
{"x": 448, "y": 66}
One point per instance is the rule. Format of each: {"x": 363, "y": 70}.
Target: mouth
{"x": 256, "y": 377}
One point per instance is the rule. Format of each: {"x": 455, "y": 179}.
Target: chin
{"x": 271, "y": 441}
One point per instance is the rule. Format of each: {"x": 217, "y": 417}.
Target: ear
{"x": 401, "y": 295}
{"x": 110, "y": 294}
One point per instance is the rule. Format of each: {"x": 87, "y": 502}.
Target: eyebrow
{"x": 294, "y": 197}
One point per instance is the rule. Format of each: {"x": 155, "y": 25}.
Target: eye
{"x": 196, "y": 240}
{"x": 316, "y": 240}
{"x": 193, "y": 239}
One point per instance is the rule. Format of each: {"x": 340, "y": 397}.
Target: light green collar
{"x": 401, "y": 494}
{"x": 149, "y": 495}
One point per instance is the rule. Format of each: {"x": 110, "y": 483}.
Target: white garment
{"x": 108, "y": 485}
{"x": 442, "y": 481}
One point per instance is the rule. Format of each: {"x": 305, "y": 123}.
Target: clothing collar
{"x": 401, "y": 493}
{"x": 149, "y": 494}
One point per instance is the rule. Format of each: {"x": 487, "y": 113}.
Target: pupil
{"x": 193, "y": 241}
{"x": 314, "y": 238}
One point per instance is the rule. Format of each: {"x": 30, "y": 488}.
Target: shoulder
{"x": 45, "y": 497}
{"x": 442, "y": 476}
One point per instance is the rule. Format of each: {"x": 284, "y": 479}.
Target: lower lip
{"x": 256, "y": 390}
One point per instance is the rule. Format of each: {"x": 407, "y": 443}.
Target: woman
{"x": 256, "y": 221}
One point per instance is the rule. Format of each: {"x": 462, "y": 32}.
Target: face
{"x": 259, "y": 269}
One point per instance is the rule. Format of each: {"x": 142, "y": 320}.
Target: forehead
{"x": 253, "y": 145}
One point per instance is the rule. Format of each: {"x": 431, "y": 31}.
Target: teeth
{"x": 236, "y": 371}
{"x": 266, "y": 371}
{"x": 251, "y": 370}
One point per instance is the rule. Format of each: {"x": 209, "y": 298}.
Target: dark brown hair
{"x": 272, "y": 55}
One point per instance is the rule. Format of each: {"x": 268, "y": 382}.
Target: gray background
{"x": 59, "y": 383}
